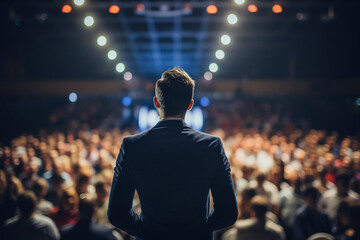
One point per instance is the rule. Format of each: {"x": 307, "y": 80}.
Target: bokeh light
{"x": 204, "y": 101}
{"x": 79, "y": 2}
{"x": 232, "y": 19}
{"x": 112, "y": 54}
{"x": 211, "y": 9}
{"x": 252, "y": 8}
{"x": 73, "y": 97}
{"x": 208, "y": 76}
{"x": 120, "y": 67}
{"x": 66, "y": 9}
{"x": 128, "y": 76}
{"x": 225, "y": 39}
{"x": 239, "y": 2}
{"x": 126, "y": 101}
{"x": 114, "y": 9}
{"x": 213, "y": 67}
{"x": 89, "y": 21}
{"x": 277, "y": 8}
{"x": 220, "y": 54}
{"x": 101, "y": 41}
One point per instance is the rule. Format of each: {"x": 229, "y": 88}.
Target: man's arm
{"x": 120, "y": 211}
{"x": 225, "y": 210}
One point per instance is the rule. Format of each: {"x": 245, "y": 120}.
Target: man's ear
{"x": 191, "y": 104}
{"x": 156, "y": 104}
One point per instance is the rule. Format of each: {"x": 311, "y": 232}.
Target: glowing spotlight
{"x": 211, "y": 9}
{"x": 140, "y": 7}
{"x": 79, "y": 2}
{"x": 127, "y": 76}
{"x": 89, "y": 21}
{"x": 114, "y": 9}
{"x": 232, "y": 19}
{"x": 112, "y": 54}
{"x": 120, "y": 67}
{"x": 277, "y": 8}
{"x": 73, "y": 97}
{"x": 208, "y": 76}
{"x": 239, "y": 2}
{"x": 225, "y": 39}
{"x": 252, "y": 8}
{"x": 66, "y": 9}
{"x": 220, "y": 54}
{"x": 213, "y": 67}
{"x": 126, "y": 101}
{"x": 358, "y": 101}
{"x": 204, "y": 101}
{"x": 101, "y": 41}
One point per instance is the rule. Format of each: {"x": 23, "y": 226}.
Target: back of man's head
{"x": 174, "y": 91}
{"x": 40, "y": 187}
{"x": 26, "y": 203}
{"x": 259, "y": 206}
{"x": 86, "y": 207}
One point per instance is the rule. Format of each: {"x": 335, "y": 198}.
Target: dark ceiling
{"x": 311, "y": 40}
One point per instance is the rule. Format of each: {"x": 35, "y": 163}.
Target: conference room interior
{"x": 278, "y": 81}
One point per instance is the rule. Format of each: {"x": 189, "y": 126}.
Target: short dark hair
{"x": 174, "y": 91}
{"x": 86, "y": 207}
{"x": 259, "y": 205}
{"x": 26, "y": 203}
{"x": 343, "y": 176}
{"x": 311, "y": 192}
{"x": 39, "y": 187}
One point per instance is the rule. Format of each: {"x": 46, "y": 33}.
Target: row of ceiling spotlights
{"x": 89, "y": 21}
{"x": 120, "y": 67}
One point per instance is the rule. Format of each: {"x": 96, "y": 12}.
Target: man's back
{"x": 37, "y": 227}
{"x": 173, "y": 167}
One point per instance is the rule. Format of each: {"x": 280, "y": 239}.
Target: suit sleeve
{"x": 225, "y": 211}
{"x": 122, "y": 191}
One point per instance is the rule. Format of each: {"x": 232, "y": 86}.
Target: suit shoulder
{"x": 203, "y": 137}
{"x": 136, "y": 137}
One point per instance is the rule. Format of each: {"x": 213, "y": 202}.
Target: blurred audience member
{"x": 348, "y": 220}
{"x": 331, "y": 199}
{"x": 85, "y": 228}
{"x": 40, "y": 188}
{"x": 257, "y": 227}
{"x": 308, "y": 220}
{"x": 29, "y": 225}
{"x": 102, "y": 202}
{"x": 67, "y": 211}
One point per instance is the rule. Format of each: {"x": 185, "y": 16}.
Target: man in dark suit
{"x": 172, "y": 167}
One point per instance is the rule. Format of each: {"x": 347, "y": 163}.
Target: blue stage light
{"x": 204, "y": 101}
{"x": 126, "y": 101}
{"x": 73, "y": 97}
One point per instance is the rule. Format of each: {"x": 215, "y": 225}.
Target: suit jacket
{"x": 172, "y": 167}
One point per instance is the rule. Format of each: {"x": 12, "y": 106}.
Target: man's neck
{"x": 172, "y": 118}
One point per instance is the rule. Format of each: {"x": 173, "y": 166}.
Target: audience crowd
{"x": 290, "y": 182}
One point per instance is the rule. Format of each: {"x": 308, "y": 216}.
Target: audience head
{"x": 69, "y": 200}
{"x": 174, "y": 92}
{"x": 260, "y": 178}
{"x": 311, "y": 197}
{"x": 26, "y": 203}
{"x": 40, "y": 188}
{"x": 259, "y": 206}
{"x": 342, "y": 181}
{"x": 101, "y": 190}
{"x": 87, "y": 207}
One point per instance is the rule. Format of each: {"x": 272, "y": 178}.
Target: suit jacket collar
{"x": 172, "y": 123}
